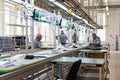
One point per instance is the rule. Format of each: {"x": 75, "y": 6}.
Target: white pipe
{"x": 26, "y": 23}
{"x": 54, "y": 31}
{"x": 32, "y": 27}
{"x": 32, "y": 35}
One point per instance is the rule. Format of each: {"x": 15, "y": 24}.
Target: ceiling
{"x": 102, "y": 3}
{"x": 82, "y": 8}
{"x": 114, "y": 2}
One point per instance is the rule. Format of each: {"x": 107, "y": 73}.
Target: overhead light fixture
{"x": 76, "y": 16}
{"x": 108, "y": 13}
{"x": 85, "y": 21}
{"x": 107, "y": 8}
{"x": 60, "y": 5}
{"x": 52, "y": 0}
{"x": 106, "y": 1}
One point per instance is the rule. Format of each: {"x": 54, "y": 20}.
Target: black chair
{"x": 72, "y": 74}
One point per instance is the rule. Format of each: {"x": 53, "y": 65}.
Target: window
{"x": 82, "y": 34}
{"x": 101, "y": 34}
{"x": 6, "y": 18}
{"x": 46, "y": 31}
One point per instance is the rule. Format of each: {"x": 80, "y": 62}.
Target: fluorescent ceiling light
{"x": 60, "y": 5}
{"x": 52, "y": 0}
{"x": 108, "y": 13}
{"x": 76, "y": 15}
{"x": 107, "y": 8}
{"x": 106, "y": 1}
{"x": 85, "y": 21}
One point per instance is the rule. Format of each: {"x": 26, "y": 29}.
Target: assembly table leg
{"x": 62, "y": 72}
{"x": 53, "y": 71}
{"x": 101, "y": 73}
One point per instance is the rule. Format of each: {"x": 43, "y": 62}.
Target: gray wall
{"x": 113, "y": 28}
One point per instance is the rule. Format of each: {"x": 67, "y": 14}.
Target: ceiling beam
{"x": 102, "y": 6}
